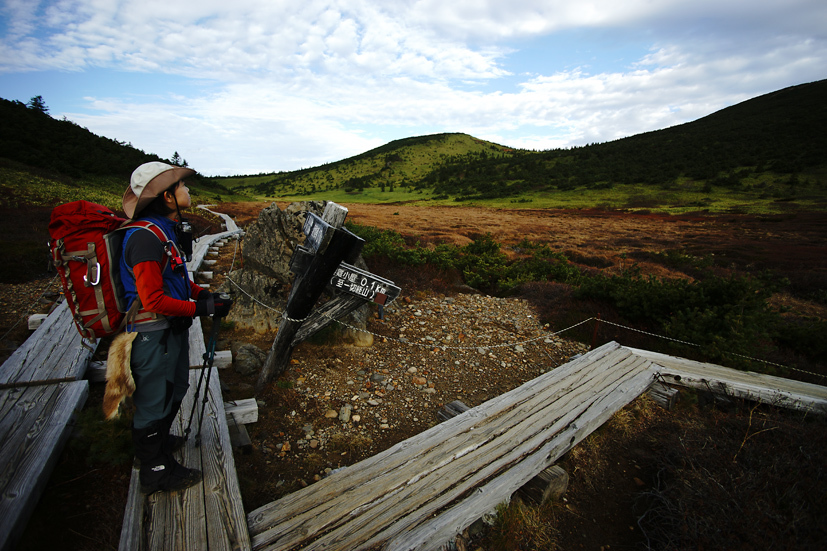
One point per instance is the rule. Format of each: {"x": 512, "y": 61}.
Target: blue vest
{"x": 175, "y": 285}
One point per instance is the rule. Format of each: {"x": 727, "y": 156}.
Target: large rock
{"x": 261, "y": 287}
{"x": 270, "y": 241}
{"x": 248, "y": 358}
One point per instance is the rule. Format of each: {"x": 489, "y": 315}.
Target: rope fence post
{"x": 594, "y": 334}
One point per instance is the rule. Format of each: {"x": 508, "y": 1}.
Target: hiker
{"x": 156, "y": 274}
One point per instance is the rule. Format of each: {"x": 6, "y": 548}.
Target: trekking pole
{"x": 209, "y": 357}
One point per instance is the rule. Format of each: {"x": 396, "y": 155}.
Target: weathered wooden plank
{"x": 748, "y": 385}
{"x": 434, "y": 531}
{"x": 35, "y": 423}
{"x": 133, "y": 520}
{"x": 53, "y": 351}
{"x": 447, "y": 438}
{"x": 197, "y": 346}
{"x": 227, "y": 527}
{"x": 393, "y": 491}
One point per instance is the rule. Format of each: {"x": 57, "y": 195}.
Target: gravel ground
{"x": 17, "y": 303}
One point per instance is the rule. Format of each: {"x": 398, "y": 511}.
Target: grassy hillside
{"x": 45, "y": 161}
{"x": 767, "y": 154}
{"x": 396, "y": 168}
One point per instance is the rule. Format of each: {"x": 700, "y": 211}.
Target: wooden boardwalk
{"x": 41, "y": 388}
{"x": 420, "y": 493}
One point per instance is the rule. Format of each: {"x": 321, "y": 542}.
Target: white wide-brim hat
{"x": 148, "y": 181}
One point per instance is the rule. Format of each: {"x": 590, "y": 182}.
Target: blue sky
{"x": 254, "y": 86}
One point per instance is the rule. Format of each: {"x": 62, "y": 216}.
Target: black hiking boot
{"x": 159, "y": 470}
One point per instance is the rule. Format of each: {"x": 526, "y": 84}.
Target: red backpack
{"x": 86, "y": 249}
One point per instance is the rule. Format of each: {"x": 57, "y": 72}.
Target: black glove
{"x": 223, "y": 303}
{"x": 213, "y": 304}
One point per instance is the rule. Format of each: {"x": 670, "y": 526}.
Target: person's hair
{"x": 158, "y": 206}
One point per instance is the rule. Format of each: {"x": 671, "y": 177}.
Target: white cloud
{"x": 300, "y": 83}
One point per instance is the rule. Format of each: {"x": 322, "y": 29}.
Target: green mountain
{"x": 769, "y": 148}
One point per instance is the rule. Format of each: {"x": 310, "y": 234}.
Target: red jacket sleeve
{"x": 150, "y": 285}
{"x": 195, "y": 289}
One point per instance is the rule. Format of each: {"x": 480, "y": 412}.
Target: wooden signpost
{"x": 324, "y": 260}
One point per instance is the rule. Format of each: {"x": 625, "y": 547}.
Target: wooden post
{"x": 594, "y": 335}
{"x": 332, "y": 246}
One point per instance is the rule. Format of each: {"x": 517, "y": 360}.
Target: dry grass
{"x": 695, "y": 478}
{"x": 521, "y": 527}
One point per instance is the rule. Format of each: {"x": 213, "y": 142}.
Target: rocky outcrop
{"x": 261, "y": 287}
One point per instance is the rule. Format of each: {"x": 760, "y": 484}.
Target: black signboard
{"x": 360, "y": 283}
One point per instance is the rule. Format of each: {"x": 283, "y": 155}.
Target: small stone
{"x": 384, "y": 426}
{"x": 344, "y": 413}
{"x": 285, "y": 447}
{"x": 356, "y": 418}
{"x": 373, "y": 402}
{"x": 419, "y": 380}
{"x": 314, "y": 443}
{"x": 412, "y": 370}
{"x": 330, "y": 414}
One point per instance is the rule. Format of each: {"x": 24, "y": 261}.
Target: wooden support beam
{"x": 451, "y": 410}
{"x": 326, "y": 314}
{"x": 665, "y": 396}
{"x": 35, "y": 320}
{"x": 240, "y": 438}
{"x": 223, "y": 358}
{"x": 35, "y": 424}
{"x": 241, "y": 412}
{"x": 550, "y": 484}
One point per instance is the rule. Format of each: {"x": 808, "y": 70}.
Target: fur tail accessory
{"x": 119, "y": 381}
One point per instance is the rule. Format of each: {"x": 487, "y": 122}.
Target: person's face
{"x": 182, "y": 195}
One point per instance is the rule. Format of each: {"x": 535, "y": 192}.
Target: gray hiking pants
{"x": 160, "y": 367}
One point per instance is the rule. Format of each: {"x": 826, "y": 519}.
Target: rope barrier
{"x": 510, "y": 344}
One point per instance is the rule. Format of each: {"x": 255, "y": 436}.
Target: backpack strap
{"x": 133, "y": 314}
